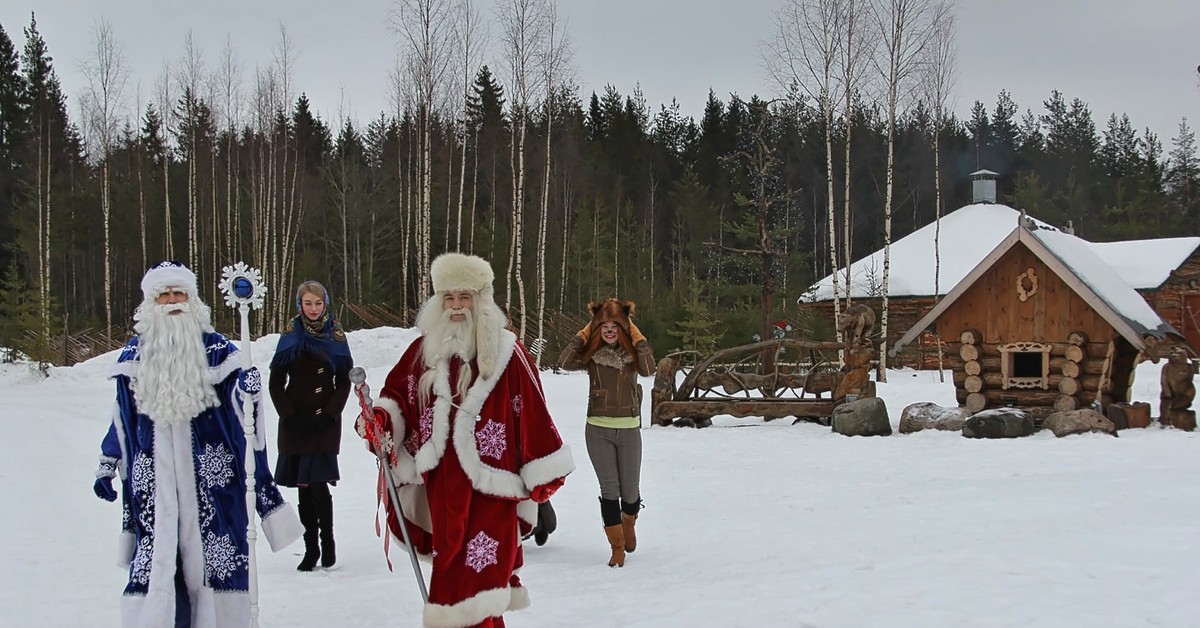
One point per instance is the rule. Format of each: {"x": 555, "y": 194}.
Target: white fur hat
{"x": 455, "y": 271}
{"x": 168, "y": 275}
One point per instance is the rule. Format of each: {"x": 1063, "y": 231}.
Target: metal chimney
{"x": 983, "y": 186}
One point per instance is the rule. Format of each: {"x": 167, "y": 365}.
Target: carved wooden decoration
{"x": 1027, "y": 284}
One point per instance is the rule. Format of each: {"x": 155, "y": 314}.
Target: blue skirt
{"x": 303, "y": 469}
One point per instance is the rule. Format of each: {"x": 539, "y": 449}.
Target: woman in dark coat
{"x": 310, "y": 382}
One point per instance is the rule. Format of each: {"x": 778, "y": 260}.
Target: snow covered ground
{"x": 768, "y": 524}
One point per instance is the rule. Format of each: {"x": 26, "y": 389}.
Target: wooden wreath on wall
{"x": 1027, "y": 278}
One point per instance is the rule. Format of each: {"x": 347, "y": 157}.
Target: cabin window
{"x": 1025, "y": 365}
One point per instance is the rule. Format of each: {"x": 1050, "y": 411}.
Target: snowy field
{"x": 768, "y": 524}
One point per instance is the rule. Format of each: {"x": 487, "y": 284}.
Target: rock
{"x": 999, "y": 423}
{"x": 1079, "y": 422}
{"x": 864, "y": 417}
{"x": 925, "y": 415}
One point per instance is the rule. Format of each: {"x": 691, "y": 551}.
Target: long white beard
{"x": 445, "y": 339}
{"x": 172, "y": 384}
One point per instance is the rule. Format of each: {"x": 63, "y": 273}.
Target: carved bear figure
{"x": 1178, "y": 391}
{"x": 857, "y": 323}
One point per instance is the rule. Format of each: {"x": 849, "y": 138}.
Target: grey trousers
{"x": 617, "y": 458}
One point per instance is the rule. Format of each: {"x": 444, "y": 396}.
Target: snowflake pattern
{"x": 491, "y": 441}
{"x": 412, "y": 389}
{"x": 221, "y": 557}
{"x": 142, "y": 477}
{"x": 517, "y": 404}
{"x": 142, "y": 482}
{"x": 215, "y": 466}
{"x": 481, "y": 552}
{"x": 139, "y": 568}
{"x": 422, "y": 432}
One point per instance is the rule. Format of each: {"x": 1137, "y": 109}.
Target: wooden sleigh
{"x": 773, "y": 379}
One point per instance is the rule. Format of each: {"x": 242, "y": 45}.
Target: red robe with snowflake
{"x": 464, "y": 468}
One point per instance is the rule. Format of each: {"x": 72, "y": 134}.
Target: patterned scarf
{"x": 321, "y": 337}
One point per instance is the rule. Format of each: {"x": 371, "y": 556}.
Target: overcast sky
{"x": 1118, "y": 56}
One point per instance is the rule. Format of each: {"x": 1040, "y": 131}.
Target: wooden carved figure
{"x": 856, "y": 323}
{"x": 1178, "y": 391}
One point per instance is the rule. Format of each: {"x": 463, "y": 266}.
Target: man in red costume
{"x": 470, "y": 444}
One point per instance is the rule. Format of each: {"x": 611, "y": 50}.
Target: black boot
{"x": 308, "y": 517}
{"x": 324, "y": 506}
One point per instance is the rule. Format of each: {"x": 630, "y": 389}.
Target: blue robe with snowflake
{"x": 184, "y": 499}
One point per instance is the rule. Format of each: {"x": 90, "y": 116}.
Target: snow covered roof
{"x": 1073, "y": 260}
{"x": 967, "y": 235}
{"x": 1146, "y": 264}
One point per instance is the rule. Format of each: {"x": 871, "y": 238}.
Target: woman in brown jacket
{"x": 310, "y": 382}
{"x": 614, "y": 353}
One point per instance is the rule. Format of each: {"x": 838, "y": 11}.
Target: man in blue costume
{"x": 178, "y": 444}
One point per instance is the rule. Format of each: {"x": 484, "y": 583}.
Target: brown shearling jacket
{"x": 614, "y": 390}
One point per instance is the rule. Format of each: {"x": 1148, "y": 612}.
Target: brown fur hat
{"x": 610, "y": 310}
{"x": 613, "y": 310}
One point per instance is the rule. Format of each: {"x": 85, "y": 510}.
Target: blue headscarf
{"x": 321, "y": 337}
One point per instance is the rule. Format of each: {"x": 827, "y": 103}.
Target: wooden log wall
{"x": 903, "y": 313}
{"x": 1077, "y": 374}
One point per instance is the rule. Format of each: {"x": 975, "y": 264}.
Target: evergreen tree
{"x": 1184, "y": 174}
{"x": 980, "y": 129}
{"x": 1005, "y": 135}
{"x": 700, "y": 328}
{"x": 14, "y": 126}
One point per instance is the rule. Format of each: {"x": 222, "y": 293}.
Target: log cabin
{"x": 1165, "y": 271}
{"x": 1042, "y": 322}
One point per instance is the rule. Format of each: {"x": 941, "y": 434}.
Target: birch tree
{"x": 190, "y": 79}
{"x": 426, "y": 32}
{"x": 470, "y": 34}
{"x": 524, "y": 27}
{"x": 906, "y": 29}
{"x": 857, "y": 51}
{"x": 803, "y": 55}
{"x": 937, "y": 78}
{"x": 104, "y": 112}
{"x": 554, "y": 65}
{"x": 228, "y": 87}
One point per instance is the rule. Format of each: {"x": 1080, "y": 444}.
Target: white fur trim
{"x": 455, "y": 271}
{"x": 471, "y": 611}
{"x": 282, "y": 527}
{"x": 485, "y": 478}
{"x": 490, "y": 335}
{"x": 167, "y": 275}
{"x": 405, "y": 469}
{"x": 527, "y": 510}
{"x": 519, "y": 599}
{"x": 558, "y": 464}
{"x": 125, "y": 550}
{"x": 128, "y": 369}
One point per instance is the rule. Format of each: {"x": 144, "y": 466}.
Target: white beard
{"x": 172, "y": 383}
{"x": 445, "y": 339}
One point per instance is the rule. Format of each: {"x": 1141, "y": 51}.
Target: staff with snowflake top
{"x": 178, "y": 445}
{"x": 468, "y": 440}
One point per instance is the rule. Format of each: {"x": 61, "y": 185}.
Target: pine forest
{"x": 714, "y": 226}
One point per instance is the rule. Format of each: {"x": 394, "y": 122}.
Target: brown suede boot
{"x": 616, "y": 540}
{"x": 627, "y": 523}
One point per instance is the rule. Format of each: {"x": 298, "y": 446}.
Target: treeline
{"x": 572, "y": 197}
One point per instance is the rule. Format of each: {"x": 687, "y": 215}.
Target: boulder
{"x": 999, "y": 423}
{"x": 925, "y": 415}
{"x": 864, "y": 417}
{"x": 1079, "y": 422}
